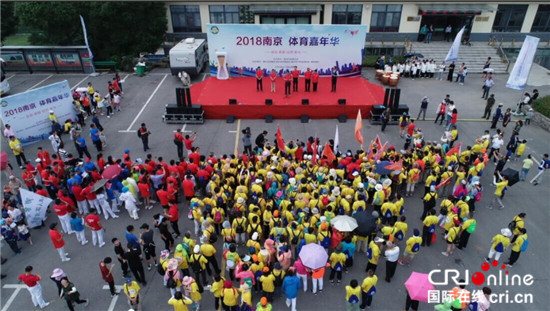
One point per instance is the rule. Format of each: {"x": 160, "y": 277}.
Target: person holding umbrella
{"x": 418, "y": 286}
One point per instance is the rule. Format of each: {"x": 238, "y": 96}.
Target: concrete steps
{"x": 473, "y": 56}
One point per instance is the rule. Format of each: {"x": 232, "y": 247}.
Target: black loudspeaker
{"x": 187, "y": 91}
{"x": 378, "y": 109}
{"x": 304, "y": 118}
{"x": 390, "y": 101}
{"x": 305, "y": 101}
{"x": 232, "y": 101}
{"x": 401, "y": 109}
{"x": 342, "y": 118}
{"x": 180, "y": 97}
{"x": 230, "y": 119}
{"x": 175, "y": 109}
{"x": 396, "y": 98}
{"x": 268, "y": 101}
{"x": 342, "y": 101}
{"x": 268, "y": 118}
{"x": 386, "y": 97}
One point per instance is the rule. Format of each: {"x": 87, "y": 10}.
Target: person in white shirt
{"x": 423, "y": 69}
{"x": 414, "y": 70}
{"x": 441, "y": 70}
{"x": 401, "y": 68}
{"x": 495, "y": 146}
{"x": 392, "y": 255}
{"x": 8, "y": 131}
{"x": 408, "y": 69}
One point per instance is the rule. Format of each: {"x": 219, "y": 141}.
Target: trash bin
{"x": 140, "y": 70}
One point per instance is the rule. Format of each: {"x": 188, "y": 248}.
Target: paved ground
{"x": 139, "y": 105}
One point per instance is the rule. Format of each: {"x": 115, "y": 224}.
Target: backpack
{"x": 499, "y": 247}
{"x": 524, "y": 246}
{"x": 325, "y": 242}
{"x": 278, "y": 278}
{"x": 341, "y": 211}
{"x": 415, "y": 248}
{"x": 278, "y": 233}
{"x": 477, "y": 197}
{"x": 160, "y": 270}
{"x": 196, "y": 264}
{"x": 171, "y": 283}
{"x": 512, "y": 225}
{"x": 372, "y": 291}
{"x": 353, "y": 299}
{"x": 240, "y": 228}
{"x": 295, "y": 238}
{"x": 399, "y": 235}
{"x": 431, "y": 229}
{"x": 186, "y": 247}
{"x": 472, "y": 228}
{"x": 388, "y": 213}
{"x": 230, "y": 260}
{"x": 139, "y": 133}
{"x": 218, "y": 216}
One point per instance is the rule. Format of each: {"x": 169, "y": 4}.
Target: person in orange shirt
{"x": 86, "y": 105}
{"x": 307, "y": 77}
{"x": 259, "y": 79}
{"x": 295, "y": 76}
{"x": 315, "y": 79}
{"x": 287, "y": 77}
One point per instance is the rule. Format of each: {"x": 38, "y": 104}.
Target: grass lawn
{"x": 17, "y": 40}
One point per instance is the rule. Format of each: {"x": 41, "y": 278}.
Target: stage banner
{"x": 524, "y": 61}
{"x": 28, "y": 112}
{"x": 35, "y": 207}
{"x": 281, "y": 47}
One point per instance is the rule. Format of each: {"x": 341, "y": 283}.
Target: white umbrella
{"x": 81, "y": 89}
{"x": 344, "y": 223}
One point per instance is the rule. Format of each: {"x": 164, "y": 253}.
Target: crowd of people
{"x": 253, "y": 213}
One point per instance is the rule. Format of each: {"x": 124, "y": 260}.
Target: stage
{"x": 214, "y": 95}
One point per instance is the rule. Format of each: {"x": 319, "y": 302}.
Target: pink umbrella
{"x": 111, "y": 171}
{"x": 313, "y": 256}
{"x": 418, "y": 286}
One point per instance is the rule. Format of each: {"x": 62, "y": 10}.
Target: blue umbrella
{"x": 381, "y": 168}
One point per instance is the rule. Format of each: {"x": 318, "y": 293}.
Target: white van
{"x": 189, "y": 55}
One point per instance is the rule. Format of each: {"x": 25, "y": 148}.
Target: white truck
{"x": 189, "y": 55}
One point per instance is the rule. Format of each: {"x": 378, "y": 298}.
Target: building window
{"x": 268, "y": 19}
{"x": 185, "y": 18}
{"x": 509, "y": 18}
{"x": 385, "y": 18}
{"x": 542, "y": 19}
{"x": 224, "y": 14}
{"x": 347, "y": 13}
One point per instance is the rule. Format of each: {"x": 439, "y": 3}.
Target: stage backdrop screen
{"x": 28, "y": 112}
{"x": 282, "y": 47}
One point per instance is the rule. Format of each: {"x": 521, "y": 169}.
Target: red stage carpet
{"x": 214, "y": 95}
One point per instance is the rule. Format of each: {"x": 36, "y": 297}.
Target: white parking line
{"x": 11, "y": 76}
{"x": 146, "y": 103}
{"x": 37, "y": 84}
{"x": 18, "y": 287}
{"x": 76, "y": 85}
{"x": 112, "y": 305}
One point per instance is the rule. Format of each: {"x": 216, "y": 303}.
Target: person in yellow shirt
{"x": 216, "y": 289}
{"x": 520, "y": 150}
{"x": 500, "y": 243}
{"x": 411, "y": 249}
{"x": 246, "y": 294}
{"x": 401, "y": 228}
{"x": 198, "y": 264}
{"x": 230, "y": 296}
{"x": 179, "y": 302}
{"x": 368, "y": 289}
{"x": 430, "y": 200}
{"x": 232, "y": 259}
{"x": 353, "y": 293}
{"x": 191, "y": 290}
{"x": 253, "y": 242}
{"x": 413, "y": 176}
{"x": 17, "y": 148}
{"x": 181, "y": 255}
{"x": 337, "y": 261}
{"x": 428, "y": 228}
{"x": 499, "y": 191}
{"x": 131, "y": 289}
{"x": 518, "y": 247}
{"x": 451, "y": 238}
{"x": 519, "y": 222}
{"x": 430, "y": 181}
{"x": 468, "y": 227}
{"x": 373, "y": 253}
{"x": 268, "y": 283}
{"x": 209, "y": 251}
{"x": 387, "y": 211}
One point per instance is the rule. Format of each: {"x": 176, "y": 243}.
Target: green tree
{"x": 9, "y": 20}
{"x": 115, "y": 29}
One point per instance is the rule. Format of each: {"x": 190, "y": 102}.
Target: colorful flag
{"x": 455, "y": 149}
{"x": 280, "y": 140}
{"x": 327, "y": 152}
{"x": 397, "y": 166}
{"x": 336, "y": 140}
{"x": 359, "y": 127}
{"x": 377, "y": 142}
{"x": 380, "y": 151}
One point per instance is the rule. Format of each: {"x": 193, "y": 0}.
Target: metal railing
{"x": 503, "y": 56}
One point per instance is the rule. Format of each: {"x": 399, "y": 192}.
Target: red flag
{"x": 314, "y": 158}
{"x": 455, "y": 149}
{"x": 280, "y": 141}
{"x": 327, "y": 152}
{"x": 382, "y": 149}
{"x": 378, "y": 142}
{"x": 397, "y": 166}
{"x": 359, "y": 127}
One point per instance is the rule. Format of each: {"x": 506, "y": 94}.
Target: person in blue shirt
{"x": 291, "y": 285}
{"x": 77, "y": 225}
{"x": 80, "y": 143}
{"x": 132, "y": 238}
{"x": 348, "y": 248}
{"x": 95, "y": 121}
{"x": 89, "y": 165}
{"x": 496, "y": 116}
{"x": 94, "y": 133}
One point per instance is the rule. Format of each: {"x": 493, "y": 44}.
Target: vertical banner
{"x": 452, "y": 56}
{"x": 524, "y": 61}
{"x": 281, "y": 47}
{"x": 336, "y": 140}
{"x": 28, "y": 112}
{"x": 35, "y": 207}
{"x": 86, "y": 36}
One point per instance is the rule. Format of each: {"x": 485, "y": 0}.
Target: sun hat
{"x": 197, "y": 249}
{"x": 57, "y": 272}
{"x": 187, "y": 280}
{"x": 506, "y": 232}
{"x": 378, "y": 240}
{"x": 378, "y": 187}
{"x": 172, "y": 264}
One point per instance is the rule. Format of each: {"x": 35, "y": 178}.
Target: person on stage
{"x": 315, "y": 79}
{"x": 295, "y": 76}
{"x": 259, "y": 79}
{"x": 287, "y": 77}
{"x": 307, "y": 76}
{"x": 273, "y": 78}
{"x": 334, "y": 75}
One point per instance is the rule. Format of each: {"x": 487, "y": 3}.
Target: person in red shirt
{"x": 188, "y": 141}
{"x": 307, "y": 77}
{"x": 63, "y": 195}
{"x": 173, "y": 217}
{"x": 40, "y": 190}
{"x": 188, "y": 187}
{"x": 91, "y": 197}
{"x": 410, "y": 128}
{"x": 28, "y": 178}
{"x": 33, "y": 285}
{"x": 178, "y": 141}
{"x": 287, "y": 78}
{"x": 273, "y": 79}
{"x": 61, "y": 210}
{"x": 172, "y": 190}
{"x": 144, "y": 190}
{"x": 162, "y": 194}
{"x": 315, "y": 79}
{"x": 259, "y": 79}
{"x": 80, "y": 199}
{"x": 58, "y": 242}
{"x": 295, "y": 76}
{"x": 44, "y": 156}
{"x": 93, "y": 222}
{"x": 106, "y": 268}
{"x": 100, "y": 162}
{"x": 195, "y": 156}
